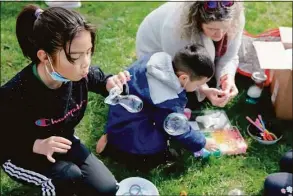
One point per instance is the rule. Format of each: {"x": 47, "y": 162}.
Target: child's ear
{"x": 42, "y": 55}
{"x": 183, "y": 77}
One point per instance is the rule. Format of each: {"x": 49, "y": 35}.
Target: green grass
{"x": 118, "y": 22}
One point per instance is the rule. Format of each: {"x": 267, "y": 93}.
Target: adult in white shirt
{"x": 217, "y": 25}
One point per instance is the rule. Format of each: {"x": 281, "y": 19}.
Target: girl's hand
{"x": 50, "y": 145}
{"x": 118, "y": 80}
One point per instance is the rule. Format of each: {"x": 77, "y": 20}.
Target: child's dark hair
{"x": 50, "y": 30}
{"x": 194, "y": 60}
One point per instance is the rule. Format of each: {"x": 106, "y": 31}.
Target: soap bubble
{"x": 176, "y": 124}
{"x": 131, "y": 103}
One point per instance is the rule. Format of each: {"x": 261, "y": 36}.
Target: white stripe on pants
{"x": 48, "y": 189}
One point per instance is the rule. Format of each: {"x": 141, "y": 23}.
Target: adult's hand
{"x": 228, "y": 86}
{"x": 51, "y": 145}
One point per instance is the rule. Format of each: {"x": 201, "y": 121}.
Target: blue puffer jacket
{"x": 143, "y": 132}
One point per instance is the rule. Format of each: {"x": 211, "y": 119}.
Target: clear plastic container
{"x": 236, "y": 191}
{"x": 222, "y": 122}
{"x": 254, "y": 91}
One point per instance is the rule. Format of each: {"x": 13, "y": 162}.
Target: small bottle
{"x": 254, "y": 91}
{"x": 206, "y": 154}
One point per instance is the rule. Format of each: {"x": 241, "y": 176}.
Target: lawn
{"x": 117, "y": 23}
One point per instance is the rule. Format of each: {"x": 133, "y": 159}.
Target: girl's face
{"x": 80, "y": 52}
{"x": 216, "y": 30}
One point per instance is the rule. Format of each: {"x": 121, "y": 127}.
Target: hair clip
{"x": 38, "y": 12}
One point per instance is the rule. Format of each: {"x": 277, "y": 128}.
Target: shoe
{"x": 172, "y": 155}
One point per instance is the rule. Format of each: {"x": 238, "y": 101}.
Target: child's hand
{"x": 211, "y": 145}
{"x": 216, "y": 96}
{"x": 101, "y": 144}
{"x": 228, "y": 85}
{"x": 118, "y": 80}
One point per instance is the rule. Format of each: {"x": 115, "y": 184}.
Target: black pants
{"x": 143, "y": 163}
{"x": 281, "y": 183}
{"x": 77, "y": 172}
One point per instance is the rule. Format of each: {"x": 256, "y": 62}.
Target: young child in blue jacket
{"x": 161, "y": 82}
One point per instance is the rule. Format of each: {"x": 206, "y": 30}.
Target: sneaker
{"x": 172, "y": 155}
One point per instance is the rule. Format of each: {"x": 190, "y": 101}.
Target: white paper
{"x": 272, "y": 55}
{"x": 286, "y": 34}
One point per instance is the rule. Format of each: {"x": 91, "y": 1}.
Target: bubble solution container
{"x": 254, "y": 91}
{"x": 236, "y": 191}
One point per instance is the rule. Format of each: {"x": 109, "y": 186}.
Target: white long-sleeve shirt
{"x": 159, "y": 33}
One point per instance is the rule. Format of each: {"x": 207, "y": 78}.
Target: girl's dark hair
{"x": 194, "y": 60}
{"x": 51, "y": 30}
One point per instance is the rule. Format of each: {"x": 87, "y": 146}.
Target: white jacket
{"x": 159, "y": 32}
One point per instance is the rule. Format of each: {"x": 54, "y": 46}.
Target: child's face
{"x": 80, "y": 52}
{"x": 189, "y": 85}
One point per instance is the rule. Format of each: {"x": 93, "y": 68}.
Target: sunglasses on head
{"x": 213, "y": 5}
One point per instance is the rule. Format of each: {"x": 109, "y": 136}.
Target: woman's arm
{"x": 159, "y": 31}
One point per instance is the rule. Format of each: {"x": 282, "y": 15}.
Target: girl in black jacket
{"x": 43, "y": 103}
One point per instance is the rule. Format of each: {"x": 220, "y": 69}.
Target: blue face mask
{"x": 54, "y": 75}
